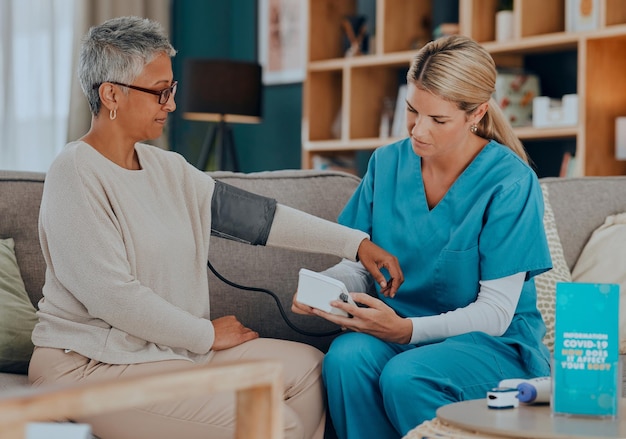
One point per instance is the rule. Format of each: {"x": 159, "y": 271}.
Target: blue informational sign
{"x": 586, "y": 378}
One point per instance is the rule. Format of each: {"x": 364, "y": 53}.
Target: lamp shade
{"x": 226, "y": 90}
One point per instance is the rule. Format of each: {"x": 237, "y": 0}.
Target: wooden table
{"x": 258, "y": 384}
{"x": 528, "y": 421}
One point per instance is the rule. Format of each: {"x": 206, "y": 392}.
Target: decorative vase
{"x": 504, "y": 25}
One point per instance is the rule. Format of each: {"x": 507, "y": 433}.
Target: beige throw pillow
{"x": 603, "y": 260}
{"x": 546, "y": 282}
{"x": 17, "y": 314}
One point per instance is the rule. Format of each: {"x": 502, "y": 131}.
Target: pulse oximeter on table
{"x": 502, "y": 398}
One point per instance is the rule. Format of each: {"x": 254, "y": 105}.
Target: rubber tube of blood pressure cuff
{"x": 531, "y": 390}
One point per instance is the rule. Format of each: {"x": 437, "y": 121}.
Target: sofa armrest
{"x": 258, "y": 385}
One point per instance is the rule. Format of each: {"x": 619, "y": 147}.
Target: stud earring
{"x": 113, "y": 114}
{"x": 474, "y": 128}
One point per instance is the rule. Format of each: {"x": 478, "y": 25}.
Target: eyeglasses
{"x": 164, "y": 95}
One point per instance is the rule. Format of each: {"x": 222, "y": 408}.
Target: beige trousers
{"x": 212, "y": 416}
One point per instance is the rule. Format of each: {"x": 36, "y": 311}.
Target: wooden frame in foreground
{"x": 258, "y": 385}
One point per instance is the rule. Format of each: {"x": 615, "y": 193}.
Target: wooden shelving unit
{"x": 343, "y": 97}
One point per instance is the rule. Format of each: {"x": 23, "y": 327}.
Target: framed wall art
{"x": 283, "y": 40}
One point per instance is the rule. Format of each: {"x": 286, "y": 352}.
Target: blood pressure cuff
{"x": 240, "y": 215}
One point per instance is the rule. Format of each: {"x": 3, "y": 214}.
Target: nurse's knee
{"x": 396, "y": 377}
{"x": 351, "y": 348}
{"x": 400, "y": 379}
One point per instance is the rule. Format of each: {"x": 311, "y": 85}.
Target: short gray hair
{"x": 118, "y": 50}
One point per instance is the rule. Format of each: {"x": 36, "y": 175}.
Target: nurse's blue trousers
{"x": 383, "y": 390}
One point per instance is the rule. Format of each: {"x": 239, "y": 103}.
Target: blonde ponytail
{"x": 494, "y": 125}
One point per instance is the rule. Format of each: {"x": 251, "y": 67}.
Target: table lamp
{"x": 223, "y": 91}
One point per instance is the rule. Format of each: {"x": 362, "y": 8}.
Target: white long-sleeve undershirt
{"x": 491, "y": 313}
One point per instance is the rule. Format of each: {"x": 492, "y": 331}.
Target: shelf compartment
{"x": 605, "y": 91}
{"x": 369, "y": 86}
{"x": 540, "y": 17}
{"x": 323, "y": 97}
{"x": 477, "y": 19}
{"x": 325, "y": 27}
{"x": 407, "y": 24}
{"x": 615, "y": 12}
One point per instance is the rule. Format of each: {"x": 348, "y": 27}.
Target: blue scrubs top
{"x": 487, "y": 226}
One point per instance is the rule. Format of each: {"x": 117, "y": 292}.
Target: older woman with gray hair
{"x": 125, "y": 228}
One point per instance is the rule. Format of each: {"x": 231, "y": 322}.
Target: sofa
{"x": 276, "y": 270}
{"x": 577, "y": 205}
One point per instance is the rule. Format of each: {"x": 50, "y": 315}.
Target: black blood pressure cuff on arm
{"x": 240, "y": 215}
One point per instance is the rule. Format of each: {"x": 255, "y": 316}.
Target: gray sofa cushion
{"x": 20, "y": 196}
{"x": 17, "y": 314}
{"x": 581, "y": 205}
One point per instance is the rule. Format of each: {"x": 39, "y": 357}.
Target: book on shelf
{"x": 386, "y": 118}
{"x": 568, "y": 165}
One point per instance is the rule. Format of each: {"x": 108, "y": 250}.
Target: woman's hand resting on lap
{"x": 230, "y": 332}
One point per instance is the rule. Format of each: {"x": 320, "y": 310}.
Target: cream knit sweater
{"x": 126, "y": 251}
